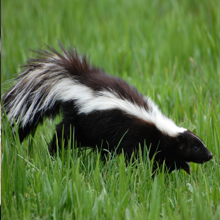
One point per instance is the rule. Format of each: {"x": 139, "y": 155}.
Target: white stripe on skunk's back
{"x": 88, "y": 101}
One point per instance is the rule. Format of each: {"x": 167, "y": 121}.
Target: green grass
{"x": 169, "y": 50}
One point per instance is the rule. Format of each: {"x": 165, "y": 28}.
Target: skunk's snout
{"x": 210, "y": 155}
{"x": 206, "y": 157}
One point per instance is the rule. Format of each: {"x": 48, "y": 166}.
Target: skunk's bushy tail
{"x": 44, "y": 86}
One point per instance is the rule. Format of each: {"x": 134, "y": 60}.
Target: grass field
{"x": 169, "y": 50}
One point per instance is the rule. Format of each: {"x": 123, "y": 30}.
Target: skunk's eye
{"x": 195, "y": 148}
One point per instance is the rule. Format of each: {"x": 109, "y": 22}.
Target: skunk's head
{"x": 184, "y": 148}
{"x": 189, "y": 148}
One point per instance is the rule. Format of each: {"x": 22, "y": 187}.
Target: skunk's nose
{"x": 210, "y": 155}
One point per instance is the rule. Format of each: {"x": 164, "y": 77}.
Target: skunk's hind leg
{"x": 62, "y": 136}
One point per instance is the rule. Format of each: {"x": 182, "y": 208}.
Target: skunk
{"x": 104, "y": 111}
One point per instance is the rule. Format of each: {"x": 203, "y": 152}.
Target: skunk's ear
{"x": 180, "y": 141}
{"x": 180, "y": 138}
